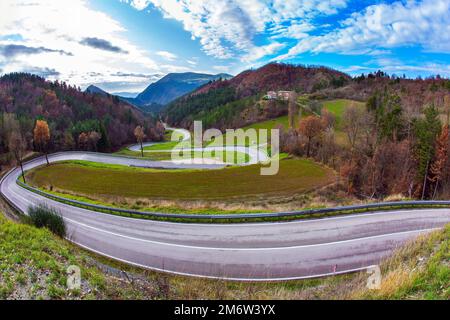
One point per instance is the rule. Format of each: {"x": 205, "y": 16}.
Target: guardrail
{"x": 231, "y": 217}
{"x": 246, "y": 216}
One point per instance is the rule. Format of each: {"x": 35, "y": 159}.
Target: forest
{"x": 76, "y": 120}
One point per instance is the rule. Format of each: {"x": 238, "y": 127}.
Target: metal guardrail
{"x": 342, "y": 209}
{"x": 247, "y": 216}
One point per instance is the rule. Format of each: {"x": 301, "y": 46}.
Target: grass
{"x": 418, "y": 270}
{"x": 34, "y": 264}
{"x": 295, "y": 176}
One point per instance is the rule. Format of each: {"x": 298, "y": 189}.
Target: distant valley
{"x": 166, "y": 90}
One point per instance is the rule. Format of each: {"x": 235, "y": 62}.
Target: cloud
{"x": 423, "y": 23}
{"x": 12, "y": 50}
{"x": 227, "y": 29}
{"x": 102, "y": 45}
{"x": 137, "y": 75}
{"x": 167, "y": 55}
{"x": 34, "y": 32}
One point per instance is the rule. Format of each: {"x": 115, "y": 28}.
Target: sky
{"x": 124, "y": 45}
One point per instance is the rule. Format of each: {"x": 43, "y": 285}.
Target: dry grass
{"x": 295, "y": 176}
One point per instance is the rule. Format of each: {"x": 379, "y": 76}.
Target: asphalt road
{"x": 257, "y": 251}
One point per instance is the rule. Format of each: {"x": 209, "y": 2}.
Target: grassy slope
{"x": 34, "y": 263}
{"x": 294, "y": 176}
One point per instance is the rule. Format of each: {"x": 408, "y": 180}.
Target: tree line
{"x": 383, "y": 149}
{"x": 75, "y": 120}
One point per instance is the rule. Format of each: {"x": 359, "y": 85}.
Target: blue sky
{"x": 123, "y": 45}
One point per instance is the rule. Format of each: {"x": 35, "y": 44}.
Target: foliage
{"x": 67, "y": 111}
{"x": 45, "y": 217}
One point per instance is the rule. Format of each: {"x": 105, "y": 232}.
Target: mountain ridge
{"x": 164, "y": 91}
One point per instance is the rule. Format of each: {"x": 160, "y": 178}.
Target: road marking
{"x": 245, "y": 249}
{"x": 221, "y": 278}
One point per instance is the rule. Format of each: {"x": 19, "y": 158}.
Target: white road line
{"x": 221, "y": 278}
{"x": 246, "y": 249}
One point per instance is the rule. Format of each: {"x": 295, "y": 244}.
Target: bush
{"x": 45, "y": 217}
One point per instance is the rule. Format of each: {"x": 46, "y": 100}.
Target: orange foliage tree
{"x": 42, "y": 136}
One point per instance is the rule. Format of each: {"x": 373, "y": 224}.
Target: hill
{"x": 96, "y": 90}
{"x": 171, "y": 87}
{"x": 237, "y": 101}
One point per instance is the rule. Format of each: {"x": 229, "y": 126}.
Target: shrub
{"x": 45, "y": 217}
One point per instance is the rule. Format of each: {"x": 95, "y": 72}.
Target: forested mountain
{"x": 237, "y": 101}
{"x": 173, "y": 86}
{"x": 77, "y": 120}
{"x": 96, "y": 90}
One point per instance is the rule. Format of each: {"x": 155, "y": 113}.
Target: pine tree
{"x": 426, "y": 131}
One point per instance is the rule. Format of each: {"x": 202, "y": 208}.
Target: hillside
{"x": 35, "y": 262}
{"x": 24, "y": 98}
{"x": 237, "y": 101}
{"x": 171, "y": 87}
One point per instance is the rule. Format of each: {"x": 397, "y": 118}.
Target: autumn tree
{"x": 447, "y": 108}
{"x": 440, "y": 159}
{"x": 83, "y": 140}
{"x": 426, "y": 132}
{"x": 139, "y": 133}
{"x": 310, "y": 127}
{"x": 41, "y": 135}
{"x": 93, "y": 139}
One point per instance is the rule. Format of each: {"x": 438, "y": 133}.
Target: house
{"x": 280, "y": 95}
{"x": 284, "y": 95}
{"x": 271, "y": 95}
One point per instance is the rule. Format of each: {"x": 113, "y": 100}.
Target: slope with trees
{"x": 52, "y": 116}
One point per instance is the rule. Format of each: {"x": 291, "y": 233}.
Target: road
{"x": 255, "y": 154}
{"x": 250, "y": 251}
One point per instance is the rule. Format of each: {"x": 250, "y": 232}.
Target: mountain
{"x": 96, "y": 90}
{"x": 237, "y": 102}
{"x": 173, "y": 86}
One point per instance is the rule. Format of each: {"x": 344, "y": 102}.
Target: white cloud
{"x": 227, "y": 29}
{"x": 424, "y": 23}
{"x": 167, "y": 55}
{"x": 70, "y": 41}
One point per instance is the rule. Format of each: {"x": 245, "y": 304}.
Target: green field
{"x": 295, "y": 176}
{"x": 337, "y": 107}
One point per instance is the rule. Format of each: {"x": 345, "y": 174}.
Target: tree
{"x": 440, "y": 160}
{"x": 93, "y": 139}
{"x": 139, "y": 133}
{"x": 310, "y": 127}
{"x": 426, "y": 132}
{"x": 17, "y": 145}
{"x": 292, "y": 108}
{"x": 447, "y": 107}
{"x": 42, "y": 136}
{"x": 353, "y": 124}
{"x": 83, "y": 140}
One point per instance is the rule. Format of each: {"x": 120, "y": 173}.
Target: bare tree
{"x": 310, "y": 127}
{"x": 353, "y": 124}
{"x": 18, "y": 146}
